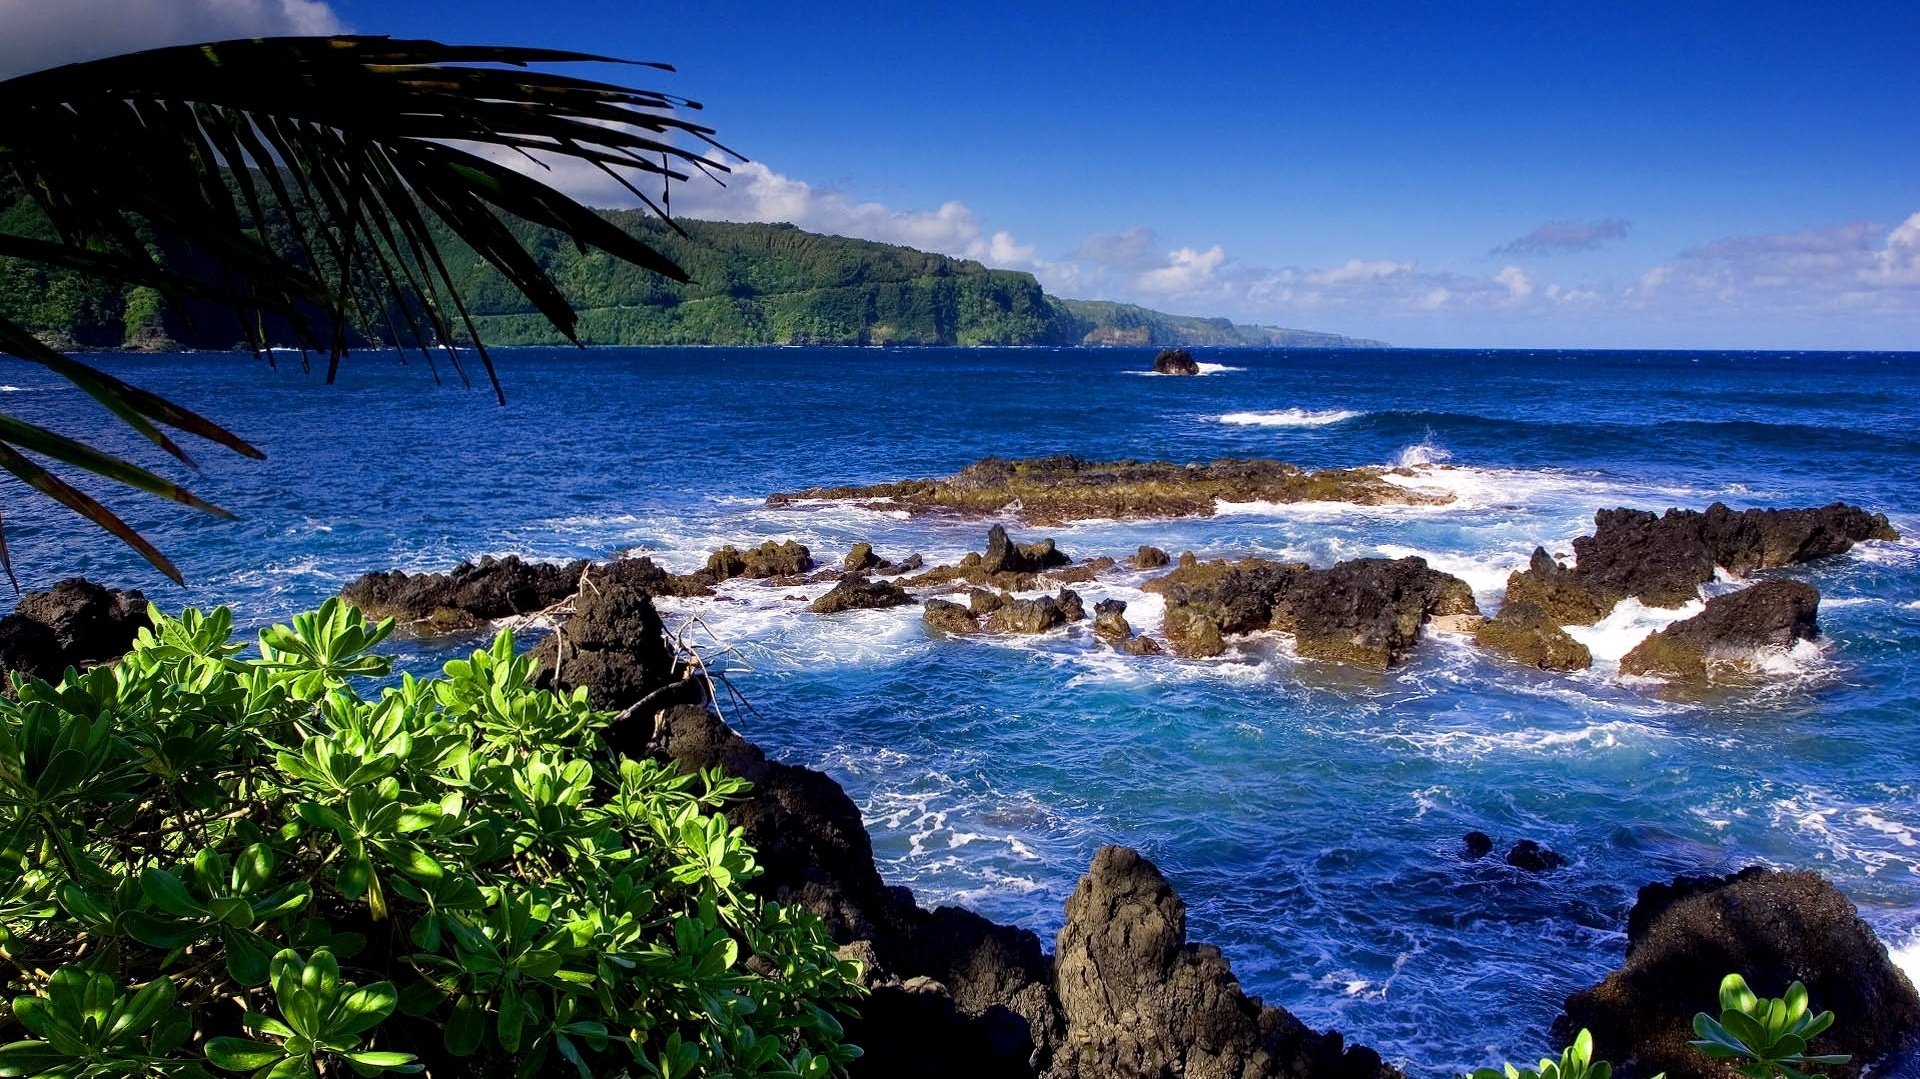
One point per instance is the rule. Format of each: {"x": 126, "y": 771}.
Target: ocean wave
{"x": 1290, "y": 417}
{"x": 1624, "y": 627}
{"x": 1205, "y": 369}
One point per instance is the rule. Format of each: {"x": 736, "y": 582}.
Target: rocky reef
{"x": 1662, "y": 560}
{"x": 1054, "y": 490}
{"x": 1175, "y": 361}
{"x": 1367, "y": 611}
{"x": 1774, "y": 928}
{"x": 76, "y": 623}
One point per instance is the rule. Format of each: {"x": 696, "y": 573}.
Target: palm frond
{"x": 300, "y": 173}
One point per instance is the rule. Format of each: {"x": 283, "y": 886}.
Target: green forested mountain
{"x": 753, "y": 284}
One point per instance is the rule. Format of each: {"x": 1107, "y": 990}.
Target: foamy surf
{"x": 1290, "y": 417}
{"x": 1624, "y": 627}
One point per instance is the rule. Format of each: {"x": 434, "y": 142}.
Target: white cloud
{"x": 1517, "y": 280}
{"x": 1358, "y": 270}
{"x": 1186, "y": 270}
{"x": 48, "y": 33}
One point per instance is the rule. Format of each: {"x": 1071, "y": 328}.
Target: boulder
{"x": 1530, "y": 857}
{"x": 76, "y": 623}
{"x": 1004, "y": 556}
{"x": 1175, "y": 361}
{"x": 1138, "y": 1000}
{"x": 655, "y": 581}
{"x": 1071, "y": 605}
{"x": 1730, "y": 635}
{"x": 1477, "y": 845}
{"x": 1054, "y": 490}
{"x": 1662, "y": 560}
{"x": 952, "y": 619}
{"x": 1142, "y": 645}
{"x": 1192, "y": 634}
{"x": 1772, "y": 928}
{"x": 1524, "y": 633}
{"x": 615, "y": 645}
{"x": 1027, "y": 616}
{"x": 857, "y": 592}
{"x": 1149, "y": 558}
{"x": 1368, "y": 611}
{"x": 861, "y": 557}
{"x": 465, "y": 597}
{"x": 1110, "y": 622}
{"x": 984, "y": 601}
{"x": 770, "y": 559}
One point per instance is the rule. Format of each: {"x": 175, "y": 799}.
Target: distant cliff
{"x": 753, "y": 284}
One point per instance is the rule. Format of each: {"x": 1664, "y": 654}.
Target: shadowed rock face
{"x": 1525, "y": 633}
{"x": 1367, "y": 611}
{"x": 1727, "y": 637}
{"x": 1052, "y": 490}
{"x": 1772, "y": 928}
{"x": 468, "y": 594}
{"x": 1662, "y": 560}
{"x": 1175, "y": 361}
{"x": 1138, "y": 1000}
{"x": 857, "y": 592}
{"x": 73, "y": 624}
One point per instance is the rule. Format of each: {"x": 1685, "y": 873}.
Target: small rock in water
{"x": 948, "y": 617}
{"x": 1478, "y": 845}
{"x": 858, "y": 593}
{"x": 1531, "y": 857}
{"x": 1150, "y": 558}
{"x": 1175, "y": 361}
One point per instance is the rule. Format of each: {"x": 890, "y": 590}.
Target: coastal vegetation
{"x": 263, "y": 865}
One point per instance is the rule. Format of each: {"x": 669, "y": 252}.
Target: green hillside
{"x": 753, "y": 284}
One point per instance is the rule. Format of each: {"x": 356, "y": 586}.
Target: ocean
{"x": 1310, "y": 814}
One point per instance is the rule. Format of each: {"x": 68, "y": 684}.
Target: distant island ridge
{"x": 752, "y": 284}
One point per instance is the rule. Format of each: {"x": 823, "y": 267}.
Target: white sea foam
{"x": 1205, "y": 369}
{"x": 1485, "y": 573}
{"x": 1629, "y": 623}
{"x": 1906, "y": 956}
{"x": 12, "y": 389}
{"x": 1290, "y": 417}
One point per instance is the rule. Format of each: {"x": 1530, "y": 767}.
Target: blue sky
{"x": 1630, "y": 175}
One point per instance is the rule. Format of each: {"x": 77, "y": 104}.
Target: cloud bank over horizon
{"x": 47, "y": 33}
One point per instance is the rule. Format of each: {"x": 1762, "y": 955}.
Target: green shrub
{"x": 246, "y": 865}
{"x": 1769, "y": 1036}
{"x": 1576, "y": 1062}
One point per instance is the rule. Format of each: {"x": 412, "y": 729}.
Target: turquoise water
{"x": 1310, "y": 814}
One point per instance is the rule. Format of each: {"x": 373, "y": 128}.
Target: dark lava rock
{"x": 615, "y": 646}
{"x": 1175, "y": 361}
{"x": 655, "y": 581}
{"x": 1731, "y": 632}
{"x": 859, "y": 593}
{"x": 1071, "y": 605}
{"x": 770, "y": 559}
{"x": 1478, "y": 845}
{"x": 1027, "y": 616}
{"x": 1663, "y": 559}
{"x": 1524, "y": 632}
{"x": 948, "y": 617}
{"x": 1140, "y": 1001}
{"x": 1367, "y": 611}
{"x": 1004, "y": 556}
{"x": 1529, "y": 856}
{"x": 467, "y": 595}
{"x": 1149, "y": 558}
{"x": 1772, "y": 928}
{"x": 1054, "y": 490}
{"x": 861, "y": 557}
{"x": 76, "y": 623}
{"x": 983, "y": 601}
{"x": 1085, "y": 572}
{"x": 1110, "y": 621}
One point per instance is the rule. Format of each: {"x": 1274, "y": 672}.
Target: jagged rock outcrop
{"x": 1110, "y": 625}
{"x": 858, "y": 592}
{"x": 947, "y": 617}
{"x": 1731, "y": 634}
{"x": 1772, "y": 928}
{"x": 1054, "y": 490}
{"x": 1005, "y": 564}
{"x": 1175, "y": 361}
{"x": 1026, "y": 616}
{"x": 76, "y": 623}
{"x": 1366, "y": 611}
{"x": 613, "y": 643}
{"x": 1139, "y": 1000}
{"x": 863, "y": 559}
{"x": 1524, "y": 633}
{"x": 1149, "y": 558}
{"x": 466, "y": 596}
{"x": 770, "y": 559}
{"x": 1662, "y": 560}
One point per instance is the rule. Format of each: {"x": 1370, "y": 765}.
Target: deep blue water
{"x": 1309, "y": 814}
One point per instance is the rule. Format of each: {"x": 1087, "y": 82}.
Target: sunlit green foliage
{"x": 261, "y": 865}
{"x": 1576, "y": 1062}
{"x": 1768, "y": 1036}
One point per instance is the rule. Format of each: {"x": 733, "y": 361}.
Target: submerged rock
{"x": 857, "y": 592}
{"x": 1138, "y": 1000}
{"x": 1053, "y": 490}
{"x": 1525, "y": 633}
{"x": 1477, "y": 845}
{"x": 1662, "y": 560}
{"x": 1175, "y": 361}
{"x": 1731, "y": 634}
{"x": 76, "y": 623}
{"x": 1530, "y": 857}
{"x": 1770, "y": 927}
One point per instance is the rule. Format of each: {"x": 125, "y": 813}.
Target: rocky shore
{"x": 1054, "y": 490}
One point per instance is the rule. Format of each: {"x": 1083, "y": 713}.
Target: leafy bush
{"x": 1770, "y": 1036}
{"x": 246, "y": 865}
{"x": 1576, "y": 1062}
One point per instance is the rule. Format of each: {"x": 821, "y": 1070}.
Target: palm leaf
{"x": 299, "y": 172}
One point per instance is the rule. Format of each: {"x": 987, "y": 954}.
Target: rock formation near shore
{"x": 1367, "y": 611}
{"x": 1055, "y": 490}
{"x": 75, "y": 623}
{"x": 1772, "y": 928}
{"x": 1731, "y": 635}
{"x": 1175, "y": 361}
